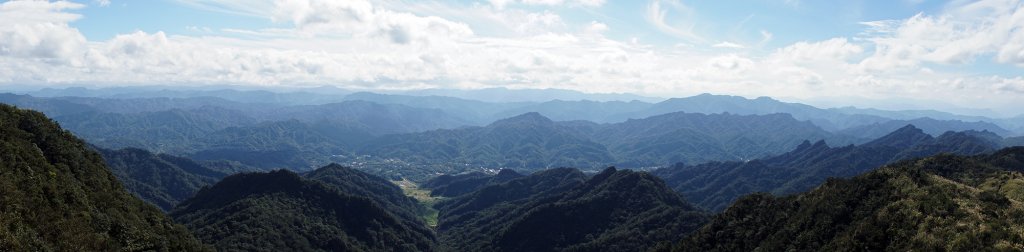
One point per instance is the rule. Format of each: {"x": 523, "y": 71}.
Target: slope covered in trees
{"x": 160, "y": 179}
{"x": 460, "y": 184}
{"x": 699, "y": 138}
{"x": 528, "y": 141}
{"x": 563, "y": 210}
{"x": 381, "y": 191}
{"x": 59, "y": 196}
{"x": 715, "y": 185}
{"x": 939, "y": 203}
{"x": 931, "y": 126}
{"x": 531, "y": 141}
{"x": 281, "y": 211}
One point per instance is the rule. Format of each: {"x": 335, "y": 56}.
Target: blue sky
{"x": 949, "y": 53}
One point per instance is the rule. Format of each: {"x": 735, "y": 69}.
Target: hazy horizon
{"x": 956, "y": 56}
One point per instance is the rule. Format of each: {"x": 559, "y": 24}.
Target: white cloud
{"x": 361, "y": 18}
{"x": 596, "y": 27}
{"x": 500, "y": 4}
{"x": 36, "y": 29}
{"x": 835, "y": 49}
{"x": 958, "y": 35}
{"x": 102, "y": 3}
{"x": 683, "y": 25}
{"x": 363, "y": 45}
{"x": 727, "y": 44}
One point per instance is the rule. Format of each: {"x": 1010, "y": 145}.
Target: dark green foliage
{"x": 940, "y": 203}
{"x": 379, "y": 190}
{"x": 281, "y": 211}
{"x": 57, "y": 195}
{"x": 457, "y": 185}
{"x": 715, "y": 185}
{"x": 561, "y": 210}
{"x": 160, "y": 179}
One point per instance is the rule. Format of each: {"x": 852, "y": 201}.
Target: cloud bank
{"x": 367, "y": 45}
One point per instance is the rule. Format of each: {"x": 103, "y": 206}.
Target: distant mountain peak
{"x": 526, "y": 118}
{"x": 904, "y": 137}
{"x": 807, "y": 145}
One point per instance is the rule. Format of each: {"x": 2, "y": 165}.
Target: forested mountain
{"x": 460, "y": 184}
{"x": 716, "y": 104}
{"x": 281, "y": 211}
{"x": 940, "y": 203}
{"x": 930, "y": 126}
{"x": 532, "y": 141}
{"x": 281, "y": 144}
{"x": 563, "y": 210}
{"x": 376, "y": 119}
{"x": 172, "y": 130}
{"x": 528, "y": 141}
{"x": 715, "y": 185}
{"x": 59, "y": 196}
{"x": 698, "y": 138}
{"x": 381, "y": 191}
{"x": 160, "y": 179}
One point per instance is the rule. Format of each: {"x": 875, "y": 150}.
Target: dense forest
{"x": 564, "y": 210}
{"x": 715, "y": 185}
{"x": 456, "y": 185}
{"x": 281, "y": 211}
{"x": 160, "y": 179}
{"x": 940, "y": 203}
{"x": 59, "y": 196}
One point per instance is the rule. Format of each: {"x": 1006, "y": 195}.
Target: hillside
{"x": 940, "y": 203}
{"x": 461, "y": 184}
{"x": 385, "y": 194}
{"x": 59, "y": 196}
{"x": 160, "y": 179}
{"x": 562, "y": 210}
{"x": 715, "y": 185}
{"x": 281, "y": 211}
{"x": 931, "y": 126}
{"x": 528, "y": 141}
{"x": 698, "y": 138}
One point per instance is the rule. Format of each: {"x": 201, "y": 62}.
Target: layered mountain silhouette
{"x": 940, "y": 203}
{"x": 715, "y": 185}
{"x": 525, "y": 141}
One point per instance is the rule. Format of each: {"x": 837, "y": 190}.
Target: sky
{"x": 922, "y": 53}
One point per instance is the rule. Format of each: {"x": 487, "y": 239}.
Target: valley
{"x": 675, "y": 181}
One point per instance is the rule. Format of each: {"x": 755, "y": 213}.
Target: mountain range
{"x": 715, "y": 185}
{"x": 564, "y": 210}
{"x": 85, "y": 197}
